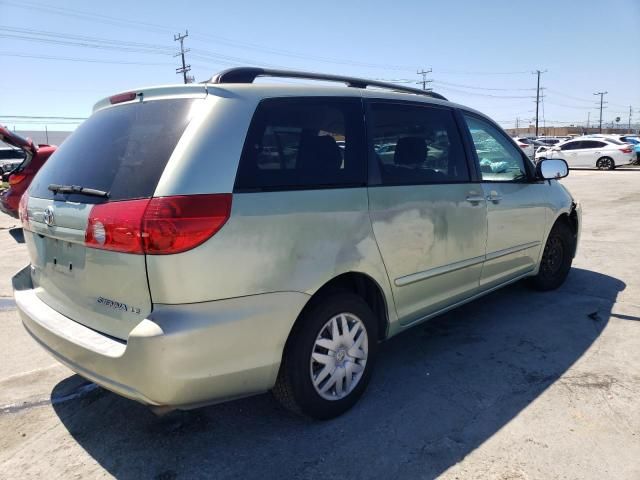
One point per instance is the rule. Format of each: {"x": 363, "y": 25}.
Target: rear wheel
{"x": 329, "y": 357}
{"x": 556, "y": 258}
{"x": 605, "y": 163}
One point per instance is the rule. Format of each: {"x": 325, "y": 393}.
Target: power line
{"x": 459, "y": 72}
{"x": 569, "y": 96}
{"x": 89, "y": 44}
{"x": 488, "y": 95}
{"x": 569, "y": 106}
{"x": 41, "y": 117}
{"x": 583, "y": 99}
{"x": 88, "y": 38}
{"x": 121, "y": 46}
{"x": 85, "y": 15}
{"x": 483, "y": 88}
{"x": 73, "y": 59}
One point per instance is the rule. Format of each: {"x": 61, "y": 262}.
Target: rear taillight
{"x": 157, "y": 226}
{"x": 177, "y": 224}
{"x": 116, "y": 226}
{"x": 16, "y": 178}
{"x": 23, "y": 211}
{"x": 626, "y": 150}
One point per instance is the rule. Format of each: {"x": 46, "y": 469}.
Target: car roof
{"x": 260, "y": 91}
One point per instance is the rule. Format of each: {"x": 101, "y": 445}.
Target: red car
{"x": 20, "y": 178}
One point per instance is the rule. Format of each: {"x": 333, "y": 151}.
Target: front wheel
{"x": 556, "y": 258}
{"x": 605, "y": 163}
{"x": 329, "y": 357}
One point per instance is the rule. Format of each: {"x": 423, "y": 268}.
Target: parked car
{"x": 178, "y": 281}
{"x": 10, "y": 158}
{"x": 630, "y": 139}
{"x": 527, "y": 145}
{"x": 550, "y": 141}
{"x": 386, "y": 152}
{"x": 614, "y": 136}
{"x": 590, "y": 152}
{"x": 21, "y": 173}
{"x": 635, "y": 144}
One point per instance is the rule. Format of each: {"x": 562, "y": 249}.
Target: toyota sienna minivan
{"x": 198, "y": 243}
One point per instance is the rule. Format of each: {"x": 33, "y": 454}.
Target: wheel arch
{"x": 571, "y": 218}
{"x": 360, "y": 284}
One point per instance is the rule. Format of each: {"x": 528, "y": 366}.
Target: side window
{"x": 416, "y": 144}
{"x": 304, "y": 143}
{"x": 500, "y": 160}
{"x": 571, "y": 146}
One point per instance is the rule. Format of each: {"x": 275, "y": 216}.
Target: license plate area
{"x": 64, "y": 258}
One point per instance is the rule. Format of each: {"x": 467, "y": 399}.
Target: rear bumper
{"x": 182, "y": 355}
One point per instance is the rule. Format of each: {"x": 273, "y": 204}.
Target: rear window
{"x": 303, "y": 143}
{"x": 121, "y": 150}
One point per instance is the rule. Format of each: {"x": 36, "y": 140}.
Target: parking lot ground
{"x": 516, "y": 385}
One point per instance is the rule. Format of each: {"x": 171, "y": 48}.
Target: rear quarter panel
{"x": 276, "y": 241}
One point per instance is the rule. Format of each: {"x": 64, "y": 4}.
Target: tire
{"x": 556, "y": 258}
{"x": 605, "y": 163}
{"x": 295, "y": 387}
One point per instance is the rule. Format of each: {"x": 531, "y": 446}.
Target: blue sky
{"x": 482, "y": 53}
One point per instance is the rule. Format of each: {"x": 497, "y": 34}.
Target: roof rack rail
{"x": 249, "y": 74}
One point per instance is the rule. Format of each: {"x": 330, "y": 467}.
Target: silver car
{"x": 198, "y": 243}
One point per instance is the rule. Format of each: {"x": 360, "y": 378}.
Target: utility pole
{"x": 538, "y": 73}
{"x": 602, "y": 94}
{"x": 185, "y": 68}
{"x": 588, "y": 120}
{"x": 630, "y": 113}
{"x": 424, "y": 80}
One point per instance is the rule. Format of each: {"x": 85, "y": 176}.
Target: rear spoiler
{"x": 191, "y": 90}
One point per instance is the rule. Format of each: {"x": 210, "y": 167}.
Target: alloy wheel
{"x": 605, "y": 164}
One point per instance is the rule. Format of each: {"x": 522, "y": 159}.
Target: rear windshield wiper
{"x": 55, "y": 188}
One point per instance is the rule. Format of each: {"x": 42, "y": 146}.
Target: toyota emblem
{"x": 48, "y": 217}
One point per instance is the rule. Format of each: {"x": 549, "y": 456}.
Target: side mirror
{"x": 550, "y": 169}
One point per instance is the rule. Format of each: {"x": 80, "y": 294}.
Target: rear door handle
{"x": 474, "y": 199}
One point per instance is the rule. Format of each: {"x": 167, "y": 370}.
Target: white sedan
{"x": 589, "y": 152}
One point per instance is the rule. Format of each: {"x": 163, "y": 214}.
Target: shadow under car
{"x": 439, "y": 391}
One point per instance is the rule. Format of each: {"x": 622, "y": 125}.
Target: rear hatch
{"x": 82, "y": 266}
{"x": 18, "y": 155}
